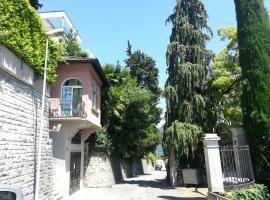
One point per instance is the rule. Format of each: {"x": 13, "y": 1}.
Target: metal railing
{"x": 236, "y": 166}
{"x": 214, "y": 196}
{"x": 66, "y": 108}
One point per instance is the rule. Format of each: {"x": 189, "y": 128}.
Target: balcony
{"x": 59, "y": 109}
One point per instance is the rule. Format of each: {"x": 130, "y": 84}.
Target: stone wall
{"x": 98, "y": 172}
{"x": 148, "y": 166}
{"x": 102, "y": 171}
{"x": 20, "y": 107}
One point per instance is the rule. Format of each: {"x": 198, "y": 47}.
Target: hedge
{"x": 254, "y": 192}
{"x": 21, "y": 31}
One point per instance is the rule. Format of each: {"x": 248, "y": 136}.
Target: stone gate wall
{"x": 20, "y": 106}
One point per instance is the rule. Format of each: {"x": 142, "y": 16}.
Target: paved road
{"x": 146, "y": 187}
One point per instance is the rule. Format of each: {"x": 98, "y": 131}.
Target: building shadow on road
{"x": 181, "y": 198}
{"x": 157, "y": 183}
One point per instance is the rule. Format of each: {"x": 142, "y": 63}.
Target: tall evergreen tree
{"x": 188, "y": 61}
{"x": 254, "y": 49}
{"x": 144, "y": 69}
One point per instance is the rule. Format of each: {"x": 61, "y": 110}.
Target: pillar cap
{"x": 211, "y": 136}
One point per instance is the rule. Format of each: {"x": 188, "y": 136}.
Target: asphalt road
{"x": 147, "y": 187}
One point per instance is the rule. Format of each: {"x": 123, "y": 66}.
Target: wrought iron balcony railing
{"x": 66, "y": 108}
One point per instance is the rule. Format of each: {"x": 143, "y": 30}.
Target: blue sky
{"x": 105, "y": 26}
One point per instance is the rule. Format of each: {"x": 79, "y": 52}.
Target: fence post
{"x": 213, "y": 163}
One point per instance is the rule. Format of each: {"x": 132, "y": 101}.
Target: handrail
{"x": 66, "y": 108}
{"x": 214, "y": 196}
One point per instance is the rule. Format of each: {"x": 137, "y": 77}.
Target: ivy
{"x": 23, "y": 33}
{"x": 255, "y": 192}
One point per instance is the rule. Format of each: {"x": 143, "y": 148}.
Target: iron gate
{"x": 75, "y": 168}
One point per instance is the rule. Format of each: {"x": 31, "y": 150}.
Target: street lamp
{"x": 37, "y": 183}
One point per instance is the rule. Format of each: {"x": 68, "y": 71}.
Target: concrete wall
{"x": 102, "y": 171}
{"x": 20, "y": 103}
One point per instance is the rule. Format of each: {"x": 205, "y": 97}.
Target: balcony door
{"x": 71, "y": 98}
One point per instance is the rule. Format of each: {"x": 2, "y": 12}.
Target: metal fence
{"x": 64, "y": 108}
{"x": 236, "y": 166}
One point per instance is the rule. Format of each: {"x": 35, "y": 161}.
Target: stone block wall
{"x": 20, "y": 106}
{"x": 148, "y": 166}
{"x": 98, "y": 172}
{"x": 102, "y": 171}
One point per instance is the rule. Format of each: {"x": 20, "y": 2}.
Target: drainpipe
{"x": 37, "y": 185}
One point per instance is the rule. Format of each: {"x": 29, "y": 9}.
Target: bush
{"x": 21, "y": 31}
{"x": 254, "y": 192}
{"x": 100, "y": 141}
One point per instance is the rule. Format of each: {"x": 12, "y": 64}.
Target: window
{"x": 71, "y": 97}
{"x": 94, "y": 95}
{"x": 7, "y": 195}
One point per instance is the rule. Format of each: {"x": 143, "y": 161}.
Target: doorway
{"x": 75, "y": 169}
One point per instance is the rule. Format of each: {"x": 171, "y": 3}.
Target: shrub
{"x": 254, "y": 192}
{"x": 100, "y": 141}
{"x": 21, "y": 30}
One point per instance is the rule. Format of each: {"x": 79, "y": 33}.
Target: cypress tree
{"x": 254, "y": 49}
{"x": 185, "y": 92}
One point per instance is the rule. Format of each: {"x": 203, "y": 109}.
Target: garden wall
{"x": 20, "y": 103}
{"x": 102, "y": 171}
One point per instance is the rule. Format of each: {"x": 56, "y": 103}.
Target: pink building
{"x": 74, "y": 105}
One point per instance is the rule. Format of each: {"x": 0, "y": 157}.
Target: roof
{"x": 61, "y": 15}
{"x": 96, "y": 65}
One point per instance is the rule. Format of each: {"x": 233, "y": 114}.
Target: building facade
{"x": 74, "y": 106}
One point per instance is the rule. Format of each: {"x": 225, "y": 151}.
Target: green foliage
{"x": 35, "y": 4}
{"x": 186, "y": 87}
{"x": 100, "y": 141}
{"x": 182, "y": 136}
{"x": 72, "y": 47}
{"x": 27, "y": 37}
{"x": 128, "y": 119}
{"x": 254, "y": 192}
{"x": 144, "y": 69}
{"x": 226, "y": 77}
{"x": 254, "y": 55}
{"x": 153, "y": 157}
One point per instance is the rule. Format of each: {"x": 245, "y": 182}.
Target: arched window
{"x": 71, "y": 97}
{"x": 72, "y": 90}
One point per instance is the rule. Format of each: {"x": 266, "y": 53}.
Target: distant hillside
{"x": 159, "y": 148}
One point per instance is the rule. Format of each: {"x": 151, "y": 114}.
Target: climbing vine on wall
{"x": 21, "y": 31}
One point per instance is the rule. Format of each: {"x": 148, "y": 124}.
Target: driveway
{"x": 146, "y": 187}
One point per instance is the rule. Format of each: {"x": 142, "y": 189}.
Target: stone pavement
{"x": 146, "y": 187}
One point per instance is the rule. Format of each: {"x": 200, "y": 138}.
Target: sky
{"x": 105, "y": 26}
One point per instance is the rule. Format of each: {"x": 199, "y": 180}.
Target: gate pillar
{"x": 213, "y": 163}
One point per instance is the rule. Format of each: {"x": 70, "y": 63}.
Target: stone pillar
{"x": 238, "y": 136}
{"x": 213, "y": 163}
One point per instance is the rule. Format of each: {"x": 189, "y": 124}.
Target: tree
{"x": 71, "y": 46}
{"x": 227, "y": 78}
{"x": 144, "y": 69}
{"x": 254, "y": 54}
{"x": 188, "y": 62}
{"x": 128, "y": 122}
{"x": 35, "y": 4}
